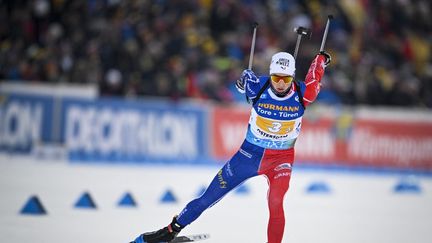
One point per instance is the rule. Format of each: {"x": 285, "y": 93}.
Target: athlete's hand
{"x": 326, "y": 56}
{"x": 245, "y": 76}
{"x": 248, "y": 76}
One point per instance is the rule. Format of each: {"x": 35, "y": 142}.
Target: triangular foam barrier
{"x": 33, "y": 207}
{"x": 85, "y": 201}
{"x": 201, "y": 191}
{"x": 318, "y": 187}
{"x": 242, "y": 190}
{"x": 127, "y": 201}
{"x": 168, "y": 197}
{"x": 407, "y": 186}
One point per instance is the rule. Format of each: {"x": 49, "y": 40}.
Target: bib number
{"x": 276, "y": 127}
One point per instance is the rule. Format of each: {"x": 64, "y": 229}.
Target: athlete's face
{"x": 281, "y": 83}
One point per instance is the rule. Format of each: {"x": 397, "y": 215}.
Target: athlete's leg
{"x": 278, "y": 186}
{"x": 276, "y": 167}
{"x": 243, "y": 165}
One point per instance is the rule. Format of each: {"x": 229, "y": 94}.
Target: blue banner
{"x": 111, "y": 130}
{"x": 25, "y": 120}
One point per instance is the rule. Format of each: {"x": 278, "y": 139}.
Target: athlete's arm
{"x": 313, "y": 77}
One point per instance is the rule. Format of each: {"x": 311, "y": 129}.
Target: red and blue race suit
{"x": 274, "y": 125}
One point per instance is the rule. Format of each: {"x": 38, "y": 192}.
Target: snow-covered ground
{"x": 360, "y": 207}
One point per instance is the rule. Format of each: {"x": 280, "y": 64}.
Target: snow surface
{"x": 361, "y": 207}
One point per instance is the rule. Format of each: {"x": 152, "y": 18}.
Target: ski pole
{"x": 255, "y": 26}
{"x": 301, "y": 31}
{"x": 330, "y": 17}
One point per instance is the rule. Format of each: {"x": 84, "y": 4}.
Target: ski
{"x": 190, "y": 238}
{"x": 178, "y": 239}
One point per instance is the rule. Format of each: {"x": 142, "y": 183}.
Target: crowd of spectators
{"x": 197, "y": 48}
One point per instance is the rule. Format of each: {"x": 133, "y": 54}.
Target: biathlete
{"x": 278, "y": 104}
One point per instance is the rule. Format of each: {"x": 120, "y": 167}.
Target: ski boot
{"x": 165, "y": 234}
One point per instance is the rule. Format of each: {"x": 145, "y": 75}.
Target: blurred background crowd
{"x": 197, "y": 48}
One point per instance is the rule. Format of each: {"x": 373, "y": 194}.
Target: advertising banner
{"x": 229, "y": 125}
{"x": 90, "y": 129}
{"x": 25, "y": 120}
{"x": 132, "y": 131}
{"x": 342, "y": 140}
{"x": 401, "y": 144}
{"x": 367, "y": 142}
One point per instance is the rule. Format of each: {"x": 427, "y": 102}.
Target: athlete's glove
{"x": 246, "y": 76}
{"x": 326, "y": 56}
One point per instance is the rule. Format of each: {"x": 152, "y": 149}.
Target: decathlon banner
{"x": 113, "y": 130}
{"x": 30, "y": 114}
{"x": 25, "y": 120}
